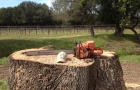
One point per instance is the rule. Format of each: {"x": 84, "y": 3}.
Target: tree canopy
{"x": 26, "y": 13}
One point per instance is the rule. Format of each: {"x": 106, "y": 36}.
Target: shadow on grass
{"x": 128, "y": 37}
{"x": 127, "y": 45}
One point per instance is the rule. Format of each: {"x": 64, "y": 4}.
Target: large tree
{"x": 43, "y": 15}
{"x": 122, "y": 13}
{"x": 84, "y": 11}
{"x": 129, "y": 10}
{"x": 26, "y": 13}
{"x": 2, "y": 15}
{"x": 62, "y": 11}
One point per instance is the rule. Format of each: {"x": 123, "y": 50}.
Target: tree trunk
{"x": 92, "y": 31}
{"x": 119, "y": 31}
{"x": 43, "y": 73}
{"x": 136, "y": 34}
{"x": 134, "y": 31}
{"x": 133, "y": 28}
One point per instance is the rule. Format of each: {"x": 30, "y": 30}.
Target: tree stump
{"x": 44, "y": 73}
{"x": 109, "y": 72}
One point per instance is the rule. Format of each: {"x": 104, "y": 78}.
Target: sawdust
{"x": 49, "y": 59}
{"x": 132, "y": 85}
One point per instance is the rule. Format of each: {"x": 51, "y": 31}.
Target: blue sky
{"x": 13, "y": 3}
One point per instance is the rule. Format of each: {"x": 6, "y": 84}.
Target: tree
{"x": 129, "y": 10}
{"x": 122, "y": 13}
{"x": 2, "y": 15}
{"x": 62, "y": 10}
{"x": 43, "y": 14}
{"x": 84, "y": 11}
{"x": 88, "y": 12}
{"x": 8, "y": 15}
{"x": 19, "y": 16}
{"x": 28, "y": 10}
{"x": 31, "y": 13}
{"x": 109, "y": 13}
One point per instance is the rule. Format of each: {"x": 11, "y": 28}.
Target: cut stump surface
{"x": 44, "y": 73}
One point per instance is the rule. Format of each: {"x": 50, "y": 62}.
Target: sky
{"x": 13, "y": 3}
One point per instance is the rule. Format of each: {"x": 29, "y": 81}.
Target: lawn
{"x": 127, "y": 47}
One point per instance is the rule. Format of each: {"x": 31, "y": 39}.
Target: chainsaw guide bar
{"x": 47, "y": 52}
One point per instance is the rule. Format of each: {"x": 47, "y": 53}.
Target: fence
{"x": 49, "y": 29}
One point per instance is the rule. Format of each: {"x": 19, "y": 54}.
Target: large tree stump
{"x": 44, "y": 73}
{"x": 109, "y": 72}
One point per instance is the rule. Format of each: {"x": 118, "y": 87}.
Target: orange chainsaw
{"x": 81, "y": 50}
{"x": 87, "y": 50}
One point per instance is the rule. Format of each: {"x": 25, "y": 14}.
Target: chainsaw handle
{"x": 79, "y": 48}
{"x": 98, "y": 51}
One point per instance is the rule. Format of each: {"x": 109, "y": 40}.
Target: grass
{"x": 123, "y": 46}
{"x": 3, "y": 60}
{"x": 134, "y": 58}
{"x": 3, "y": 85}
{"x": 128, "y": 48}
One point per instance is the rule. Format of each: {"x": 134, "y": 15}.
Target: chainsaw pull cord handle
{"x": 75, "y": 44}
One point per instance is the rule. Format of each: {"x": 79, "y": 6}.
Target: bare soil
{"x": 131, "y": 72}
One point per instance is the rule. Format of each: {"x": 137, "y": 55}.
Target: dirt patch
{"x": 4, "y": 69}
{"x": 131, "y": 72}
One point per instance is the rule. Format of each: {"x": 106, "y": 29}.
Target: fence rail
{"x": 42, "y": 29}
{"x": 48, "y": 29}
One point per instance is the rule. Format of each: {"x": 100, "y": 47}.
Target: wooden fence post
{"x": 36, "y": 29}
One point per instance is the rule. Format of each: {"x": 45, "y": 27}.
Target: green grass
{"x": 134, "y": 58}
{"x": 3, "y": 85}
{"x": 127, "y": 47}
{"x": 4, "y": 60}
{"x": 123, "y": 46}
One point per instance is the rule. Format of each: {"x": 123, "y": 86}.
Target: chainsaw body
{"x": 87, "y": 50}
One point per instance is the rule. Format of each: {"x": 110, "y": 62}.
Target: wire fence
{"x": 37, "y": 29}
{"x": 50, "y": 29}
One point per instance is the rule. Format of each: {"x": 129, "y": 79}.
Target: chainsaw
{"x": 81, "y": 50}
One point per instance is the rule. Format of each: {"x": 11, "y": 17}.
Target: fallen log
{"x": 44, "y": 73}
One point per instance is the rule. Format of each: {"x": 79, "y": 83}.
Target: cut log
{"x": 44, "y": 73}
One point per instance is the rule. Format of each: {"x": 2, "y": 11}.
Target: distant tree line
{"x": 27, "y": 13}
{"x": 121, "y": 13}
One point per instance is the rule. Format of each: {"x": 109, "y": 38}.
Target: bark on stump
{"x": 43, "y": 73}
